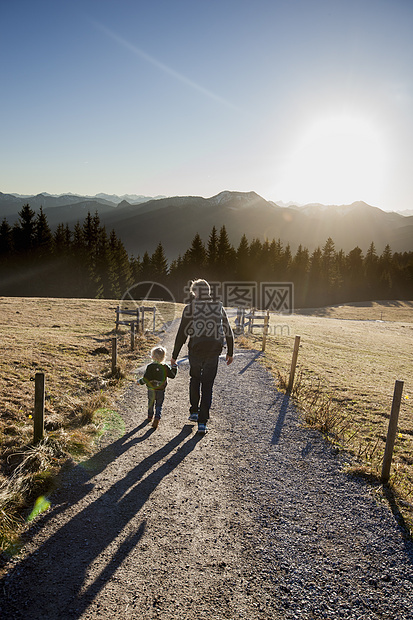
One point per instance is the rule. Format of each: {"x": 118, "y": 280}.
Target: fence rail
{"x": 135, "y": 317}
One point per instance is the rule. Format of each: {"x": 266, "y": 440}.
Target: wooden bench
{"x": 253, "y": 318}
{"x": 134, "y": 317}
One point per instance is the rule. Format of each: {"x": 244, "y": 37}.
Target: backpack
{"x": 206, "y": 329}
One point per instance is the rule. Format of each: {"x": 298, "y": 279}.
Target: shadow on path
{"x": 391, "y": 498}
{"x": 80, "y": 475}
{"x": 250, "y": 363}
{"x": 61, "y": 563}
{"x": 281, "y": 418}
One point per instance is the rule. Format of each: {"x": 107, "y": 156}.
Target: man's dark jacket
{"x": 206, "y": 324}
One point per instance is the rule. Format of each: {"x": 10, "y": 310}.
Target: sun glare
{"x": 338, "y": 159}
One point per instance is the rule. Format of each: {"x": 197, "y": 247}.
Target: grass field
{"x": 349, "y": 359}
{"x": 67, "y": 339}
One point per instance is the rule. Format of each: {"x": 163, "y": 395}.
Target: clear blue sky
{"x": 298, "y": 100}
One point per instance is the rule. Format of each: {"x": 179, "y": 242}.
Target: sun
{"x": 337, "y": 159}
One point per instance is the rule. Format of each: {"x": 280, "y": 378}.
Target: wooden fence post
{"x": 114, "y": 354}
{"x": 251, "y": 320}
{"x": 265, "y": 332}
{"x": 293, "y": 363}
{"x": 143, "y": 319}
{"x": 391, "y": 433}
{"x": 38, "y": 422}
{"x": 132, "y": 336}
{"x": 240, "y": 321}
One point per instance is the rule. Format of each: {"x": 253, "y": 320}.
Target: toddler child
{"x": 156, "y": 377}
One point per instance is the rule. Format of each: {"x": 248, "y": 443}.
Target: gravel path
{"x": 255, "y": 520}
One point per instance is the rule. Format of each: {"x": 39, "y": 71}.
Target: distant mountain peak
{"x": 123, "y": 203}
{"x": 227, "y": 196}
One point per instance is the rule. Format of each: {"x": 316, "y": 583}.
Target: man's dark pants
{"x": 203, "y": 371}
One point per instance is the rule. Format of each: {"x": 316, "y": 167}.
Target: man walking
{"x": 206, "y": 324}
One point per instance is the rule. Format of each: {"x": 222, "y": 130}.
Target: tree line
{"x": 90, "y": 262}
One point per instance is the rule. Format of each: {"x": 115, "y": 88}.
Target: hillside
{"x": 175, "y": 220}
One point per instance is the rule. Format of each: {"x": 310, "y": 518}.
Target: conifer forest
{"x": 89, "y": 262}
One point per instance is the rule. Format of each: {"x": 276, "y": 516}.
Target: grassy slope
{"x": 62, "y": 338}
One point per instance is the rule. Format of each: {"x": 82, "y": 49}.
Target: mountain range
{"x": 142, "y": 222}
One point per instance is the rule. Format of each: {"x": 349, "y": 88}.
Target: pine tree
{"x": 195, "y": 256}
{"x": 78, "y": 238}
{"x": 159, "y": 264}
{"x": 90, "y": 230}
{"x": 299, "y": 274}
{"x": 226, "y": 255}
{"x": 7, "y": 259}
{"x": 62, "y": 240}
{"x": 386, "y": 273}
{"x": 136, "y": 267}
{"x": 315, "y": 286}
{"x": 371, "y": 271}
{"x": 146, "y": 268}
{"x": 94, "y": 244}
{"x": 116, "y": 267}
{"x": 265, "y": 272}
{"x": 176, "y": 279}
{"x": 6, "y": 239}
{"x": 65, "y": 260}
{"x": 355, "y": 278}
{"x": 341, "y": 269}
{"x": 24, "y": 230}
{"x": 276, "y": 260}
{"x": 78, "y": 274}
{"x": 212, "y": 254}
{"x": 254, "y": 260}
{"x": 242, "y": 260}
{"x": 286, "y": 262}
{"x": 328, "y": 276}
{"x": 43, "y": 238}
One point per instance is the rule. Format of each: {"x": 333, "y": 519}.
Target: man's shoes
{"x": 155, "y": 423}
{"x": 202, "y": 428}
{"x": 193, "y": 417}
{"x": 149, "y": 418}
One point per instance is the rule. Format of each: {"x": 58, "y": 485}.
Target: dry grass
{"x": 70, "y": 341}
{"x": 349, "y": 359}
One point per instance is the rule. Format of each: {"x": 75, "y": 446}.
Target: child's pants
{"x": 155, "y": 398}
